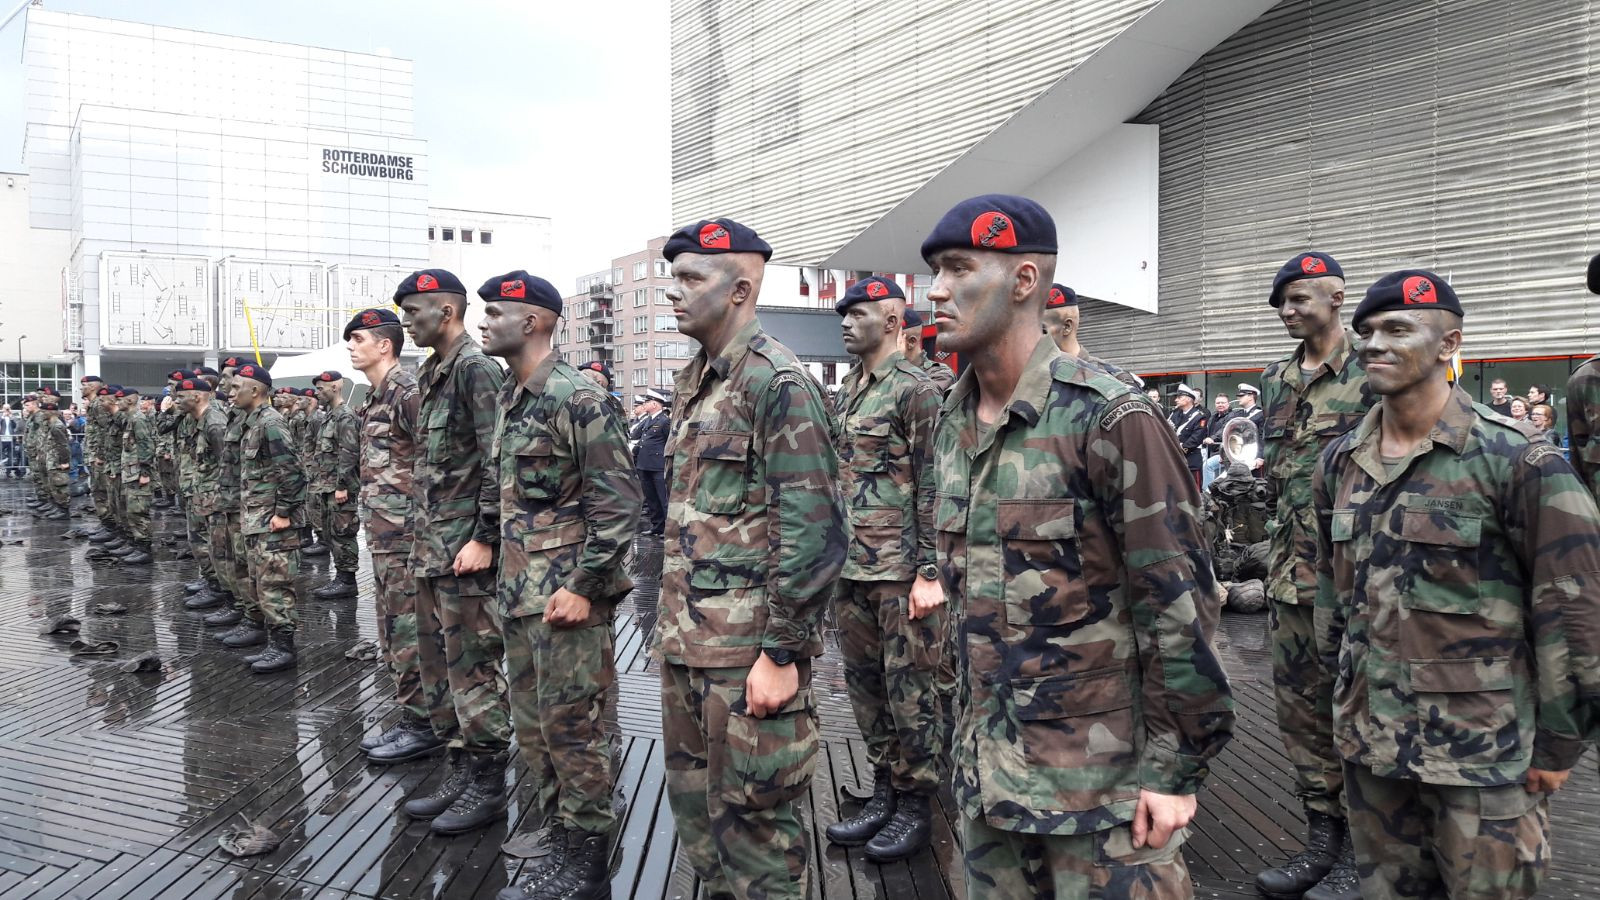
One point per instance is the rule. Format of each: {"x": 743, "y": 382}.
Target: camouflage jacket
{"x": 1302, "y": 418}
{"x": 138, "y": 447}
{"x": 453, "y": 479}
{"x": 94, "y": 433}
{"x": 111, "y": 444}
{"x": 937, "y": 372}
{"x": 1450, "y": 587}
{"x": 1081, "y": 586}
{"x": 886, "y": 469}
{"x": 755, "y": 534}
{"x": 271, "y": 482}
{"x": 1112, "y": 369}
{"x": 228, "y": 494}
{"x": 165, "y": 423}
{"x": 183, "y": 433}
{"x": 1583, "y": 416}
{"x": 57, "y": 444}
{"x": 205, "y": 447}
{"x": 388, "y": 449}
{"x": 569, "y": 498}
{"x": 336, "y": 464}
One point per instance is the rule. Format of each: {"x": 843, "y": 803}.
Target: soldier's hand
{"x": 341, "y": 496}
{"x": 474, "y": 557}
{"x": 566, "y": 609}
{"x": 278, "y": 523}
{"x": 1546, "y": 781}
{"x": 927, "y": 595}
{"x": 769, "y": 686}
{"x": 144, "y": 480}
{"x": 1159, "y": 815}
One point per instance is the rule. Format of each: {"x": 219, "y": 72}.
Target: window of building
{"x": 641, "y": 351}
{"x": 641, "y": 377}
{"x": 666, "y": 323}
{"x": 665, "y": 377}
{"x": 674, "y": 350}
{"x": 661, "y": 297}
{"x": 616, "y": 275}
{"x": 639, "y": 297}
{"x": 485, "y": 237}
{"x": 449, "y": 234}
{"x": 641, "y": 324}
{"x": 662, "y": 269}
{"x": 430, "y": 232}
{"x": 466, "y": 235}
{"x": 639, "y": 270}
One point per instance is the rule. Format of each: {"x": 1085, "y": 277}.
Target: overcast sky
{"x": 542, "y": 108}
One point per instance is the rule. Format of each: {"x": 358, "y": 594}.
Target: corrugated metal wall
{"x": 1456, "y": 135}
{"x": 823, "y": 114}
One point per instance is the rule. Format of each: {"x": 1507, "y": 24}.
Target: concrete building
{"x": 1185, "y": 149}
{"x": 31, "y": 298}
{"x": 621, "y": 317}
{"x": 220, "y": 193}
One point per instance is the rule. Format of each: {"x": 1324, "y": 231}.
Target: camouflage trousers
{"x": 59, "y": 485}
{"x": 557, "y": 684}
{"x": 1304, "y": 693}
{"x": 136, "y": 500}
{"x": 314, "y": 517}
{"x": 891, "y": 666}
{"x": 274, "y": 563}
{"x": 460, "y": 649}
{"x": 97, "y": 492}
{"x": 168, "y": 471}
{"x": 244, "y": 587}
{"x": 396, "y": 605}
{"x": 1102, "y": 865}
{"x": 220, "y": 528}
{"x": 114, "y": 502}
{"x": 200, "y": 540}
{"x": 1416, "y": 841}
{"x": 337, "y": 525}
{"x": 733, "y": 780}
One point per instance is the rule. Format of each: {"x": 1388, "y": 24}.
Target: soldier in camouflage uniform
{"x": 272, "y": 491}
{"x": 164, "y": 422}
{"x": 892, "y": 643}
{"x": 93, "y": 432}
{"x": 453, "y": 556}
{"x": 599, "y": 373}
{"x": 1583, "y": 407}
{"x": 138, "y": 461}
{"x": 1070, "y": 545}
{"x": 206, "y": 591}
{"x": 248, "y": 626}
{"x": 30, "y": 448}
{"x": 307, "y": 418}
{"x": 1457, "y": 554}
{"x": 336, "y": 482}
{"x": 1062, "y": 318}
{"x": 569, "y": 505}
{"x": 199, "y": 445}
{"x": 754, "y": 544}
{"x": 1311, "y": 397}
{"x": 109, "y": 462}
{"x": 388, "y": 449}
{"x": 55, "y": 456}
{"x": 911, "y": 346}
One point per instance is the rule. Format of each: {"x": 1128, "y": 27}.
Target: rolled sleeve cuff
{"x": 587, "y": 584}
{"x": 1166, "y": 772}
{"x": 784, "y": 634}
{"x": 1554, "y": 753}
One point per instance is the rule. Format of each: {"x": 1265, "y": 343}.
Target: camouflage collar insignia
{"x": 1126, "y": 408}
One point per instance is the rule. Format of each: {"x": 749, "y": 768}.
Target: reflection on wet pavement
{"x": 117, "y": 784}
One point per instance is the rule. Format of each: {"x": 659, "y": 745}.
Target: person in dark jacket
{"x": 1189, "y": 422}
{"x": 649, "y": 436}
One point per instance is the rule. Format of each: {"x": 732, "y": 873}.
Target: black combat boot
{"x": 483, "y": 800}
{"x": 907, "y": 833}
{"x": 116, "y": 544}
{"x": 584, "y": 872}
{"x": 414, "y": 741}
{"x": 1290, "y": 881}
{"x": 316, "y": 549}
{"x": 1342, "y": 881}
{"x": 57, "y": 513}
{"x": 393, "y": 732}
{"x": 876, "y": 813}
{"x": 224, "y": 618}
{"x": 103, "y": 535}
{"x": 205, "y": 598}
{"x": 340, "y": 586}
{"x": 246, "y": 634}
{"x": 280, "y": 653}
{"x": 554, "y": 863}
{"x": 457, "y": 773}
{"x": 140, "y": 555}
{"x": 195, "y": 586}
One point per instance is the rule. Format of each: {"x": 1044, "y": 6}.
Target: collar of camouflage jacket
{"x": 857, "y": 381}
{"x": 693, "y": 375}
{"x": 1344, "y": 355}
{"x": 1453, "y": 430}
{"x": 1027, "y": 398}
{"x": 438, "y": 365}
{"x": 536, "y": 380}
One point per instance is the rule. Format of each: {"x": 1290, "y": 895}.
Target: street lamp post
{"x": 20, "y": 339}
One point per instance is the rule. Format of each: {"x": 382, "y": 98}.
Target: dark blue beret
{"x": 521, "y": 287}
{"x": 254, "y": 373}
{"x": 370, "y": 318}
{"x": 307, "y": 392}
{"x": 1307, "y": 265}
{"x": 329, "y": 376}
{"x": 715, "y": 236}
{"x": 203, "y": 371}
{"x": 912, "y": 318}
{"x": 88, "y": 378}
{"x": 1407, "y": 289}
{"x": 873, "y": 287}
{"x": 233, "y": 362}
{"x": 429, "y": 281}
{"x": 127, "y": 392}
{"x": 598, "y": 366}
{"x": 1002, "y": 223}
{"x": 1061, "y": 296}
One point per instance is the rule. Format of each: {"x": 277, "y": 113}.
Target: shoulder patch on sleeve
{"x": 1540, "y": 451}
{"x": 1126, "y": 408}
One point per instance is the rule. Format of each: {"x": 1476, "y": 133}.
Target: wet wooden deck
{"x": 118, "y": 785}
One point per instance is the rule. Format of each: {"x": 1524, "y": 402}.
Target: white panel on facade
{"x": 152, "y": 301}
{"x": 285, "y": 304}
{"x": 354, "y": 288}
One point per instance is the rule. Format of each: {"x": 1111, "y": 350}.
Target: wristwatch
{"x": 778, "y": 655}
{"x": 929, "y": 571}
